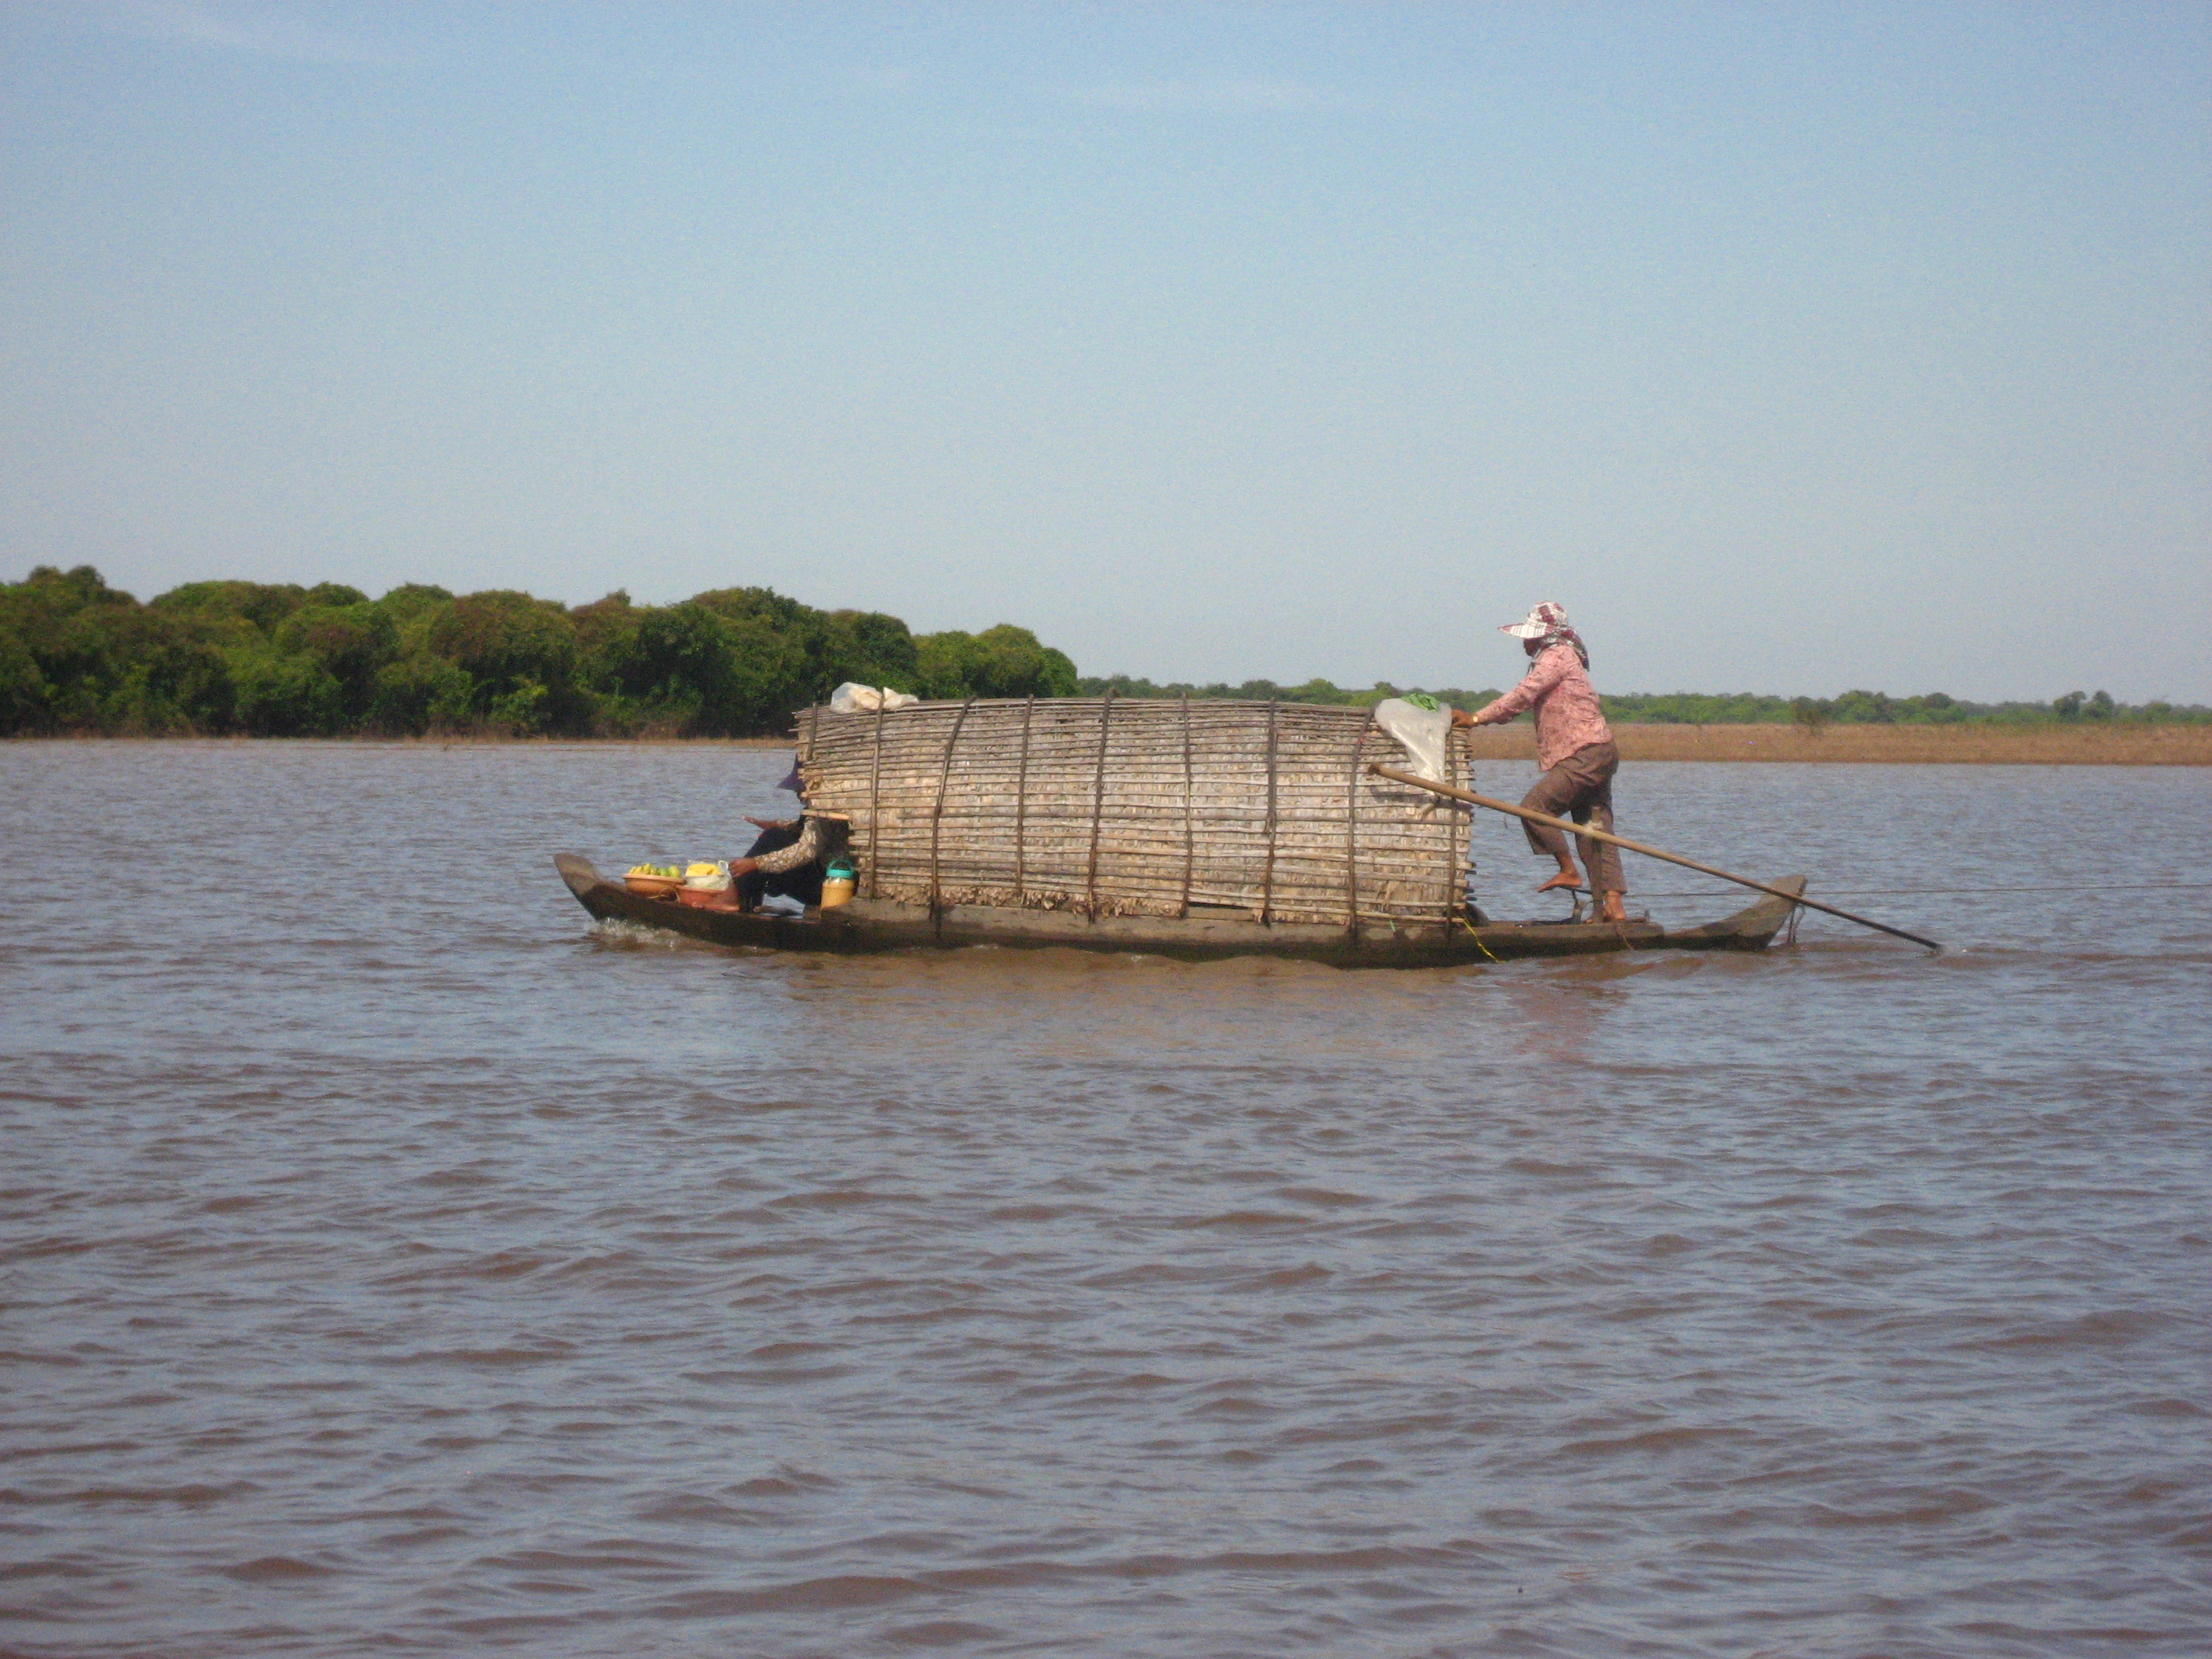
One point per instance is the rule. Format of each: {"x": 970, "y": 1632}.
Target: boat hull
{"x": 866, "y": 926}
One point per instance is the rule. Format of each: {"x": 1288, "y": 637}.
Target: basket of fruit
{"x": 706, "y": 887}
{"x": 654, "y": 880}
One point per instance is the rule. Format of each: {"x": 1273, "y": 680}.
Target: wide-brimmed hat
{"x": 1546, "y": 618}
{"x": 792, "y": 781}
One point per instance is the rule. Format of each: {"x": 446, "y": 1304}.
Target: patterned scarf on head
{"x": 1558, "y": 633}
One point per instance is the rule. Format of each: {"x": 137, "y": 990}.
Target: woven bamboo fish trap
{"x": 1139, "y": 807}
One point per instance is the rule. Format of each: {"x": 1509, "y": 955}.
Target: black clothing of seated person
{"x": 803, "y": 881}
{"x": 785, "y": 860}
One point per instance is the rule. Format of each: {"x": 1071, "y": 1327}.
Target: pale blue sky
{"x": 1791, "y": 347}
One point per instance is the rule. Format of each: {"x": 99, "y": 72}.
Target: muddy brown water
{"x": 396, "y": 1263}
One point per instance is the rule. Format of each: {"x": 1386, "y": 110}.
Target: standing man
{"x": 1574, "y": 746}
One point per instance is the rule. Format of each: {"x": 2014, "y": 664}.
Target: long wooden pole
{"x": 1549, "y": 822}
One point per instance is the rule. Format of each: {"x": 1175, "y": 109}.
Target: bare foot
{"x": 1566, "y": 878}
{"x": 1612, "y": 909}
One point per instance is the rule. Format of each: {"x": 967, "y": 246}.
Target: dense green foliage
{"x": 1707, "y": 709}
{"x": 277, "y": 659}
{"x": 283, "y": 660}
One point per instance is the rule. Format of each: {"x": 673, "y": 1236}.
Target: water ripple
{"x": 388, "y": 1273}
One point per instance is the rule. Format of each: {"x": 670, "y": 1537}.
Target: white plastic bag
{"x": 851, "y": 698}
{"x": 1422, "y": 732}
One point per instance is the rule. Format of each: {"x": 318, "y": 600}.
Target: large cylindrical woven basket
{"x": 1124, "y": 806}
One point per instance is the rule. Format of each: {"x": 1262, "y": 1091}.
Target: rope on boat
{"x": 1268, "y": 875}
{"x": 1189, "y": 812}
{"x": 876, "y": 801}
{"x": 1485, "y": 948}
{"x": 1352, "y": 839}
{"x": 1021, "y": 804}
{"x": 937, "y": 813}
{"x": 1458, "y": 769}
{"x": 1098, "y": 807}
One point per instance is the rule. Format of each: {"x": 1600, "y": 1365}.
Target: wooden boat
{"x": 1178, "y": 828}
{"x": 875, "y": 925}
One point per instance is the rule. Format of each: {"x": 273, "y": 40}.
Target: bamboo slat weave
{"x": 1128, "y": 806}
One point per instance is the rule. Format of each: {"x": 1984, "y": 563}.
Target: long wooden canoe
{"x": 873, "y": 925}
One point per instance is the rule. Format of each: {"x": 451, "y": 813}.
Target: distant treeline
{"x": 281, "y": 660}
{"x": 277, "y": 659}
{"x": 1703, "y": 709}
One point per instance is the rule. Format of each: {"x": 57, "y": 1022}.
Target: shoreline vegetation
{"x": 254, "y": 660}
{"x": 267, "y": 660}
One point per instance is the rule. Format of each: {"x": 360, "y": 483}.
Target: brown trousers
{"x": 1580, "y": 788}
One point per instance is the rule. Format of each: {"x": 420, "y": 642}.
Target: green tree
{"x": 412, "y": 602}
{"x": 25, "y": 696}
{"x": 606, "y": 642}
{"x": 519, "y": 654}
{"x": 782, "y": 651}
{"x": 264, "y": 604}
{"x": 418, "y": 691}
{"x": 700, "y": 669}
{"x": 1005, "y": 661}
{"x": 79, "y": 634}
{"x": 1934, "y": 708}
{"x": 282, "y": 659}
{"x": 281, "y": 694}
{"x": 675, "y": 664}
{"x": 182, "y": 679}
{"x": 605, "y": 628}
{"x": 1865, "y": 709}
{"x": 421, "y": 692}
{"x": 352, "y": 642}
{"x": 870, "y": 648}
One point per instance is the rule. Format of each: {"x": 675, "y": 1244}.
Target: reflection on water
{"x": 397, "y": 1261}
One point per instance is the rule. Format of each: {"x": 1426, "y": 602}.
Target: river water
{"x": 395, "y": 1263}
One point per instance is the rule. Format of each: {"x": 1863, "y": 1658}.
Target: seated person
{"x": 787, "y": 858}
